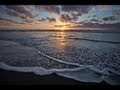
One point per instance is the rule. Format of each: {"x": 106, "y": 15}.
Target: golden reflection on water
{"x": 61, "y": 39}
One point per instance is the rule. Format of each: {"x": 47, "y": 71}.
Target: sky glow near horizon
{"x": 60, "y": 17}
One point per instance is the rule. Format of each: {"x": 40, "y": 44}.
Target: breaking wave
{"x": 84, "y": 74}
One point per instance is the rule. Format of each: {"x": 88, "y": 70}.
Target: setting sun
{"x": 62, "y": 28}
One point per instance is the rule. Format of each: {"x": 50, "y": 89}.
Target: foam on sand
{"x": 36, "y": 70}
{"x": 79, "y": 74}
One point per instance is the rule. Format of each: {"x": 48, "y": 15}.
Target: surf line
{"x": 111, "y": 42}
{"x": 39, "y": 52}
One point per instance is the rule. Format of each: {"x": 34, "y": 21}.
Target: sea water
{"x": 83, "y": 56}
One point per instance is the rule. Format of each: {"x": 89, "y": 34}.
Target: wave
{"x": 79, "y": 65}
{"x": 83, "y": 74}
{"x": 61, "y": 61}
{"x": 86, "y": 39}
{"x": 36, "y": 70}
{"x": 112, "y": 42}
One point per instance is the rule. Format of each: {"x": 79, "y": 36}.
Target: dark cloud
{"x": 94, "y": 16}
{"x": 75, "y": 26}
{"x": 82, "y": 9}
{"x": 65, "y": 18}
{"x": 110, "y": 18}
{"x": 51, "y": 19}
{"x": 28, "y": 21}
{"x": 1, "y": 18}
{"x": 68, "y": 18}
{"x": 95, "y": 20}
{"x": 16, "y": 14}
{"x": 49, "y": 8}
{"x": 75, "y": 11}
{"x": 47, "y": 19}
{"x": 9, "y": 21}
{"x": 12, "y": 13}
{"x": 95, "y": 25}
{"x": 58, "y": 25}
{"x": 66, "y": 25}
{"x": 110, "y": 26}
{"x": 17, "y": 10}
{"x": 42, "y": 20}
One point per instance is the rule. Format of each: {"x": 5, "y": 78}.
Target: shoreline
{"x": 28, "y": 78}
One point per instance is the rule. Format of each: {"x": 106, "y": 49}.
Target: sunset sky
{"x": 60, "y": 17}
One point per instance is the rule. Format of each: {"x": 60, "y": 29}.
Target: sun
{"x": 63, "y": 28}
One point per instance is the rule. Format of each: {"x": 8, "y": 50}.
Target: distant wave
{"x": 112, "y": 42}
{"x": 75, "y": 38}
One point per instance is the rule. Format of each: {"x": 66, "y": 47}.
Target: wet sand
{"x": 22, "y": 78}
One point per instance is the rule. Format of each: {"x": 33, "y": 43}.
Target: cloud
{"x": 109, "y": 18}
{"x": 28, "y": 20}
{"x": 76, "y": 13}
{"x": 95, "y": 25}
{"x": 51, "y": 19}
{"x": 42, "y": 20}
{"x": 49, "y": 8}
{"x": 65, "y": 18}
{"x": 8, "y": 21}
{"x": 66, "y": 25}
{"x": 68, "y": 18}
{"x": 95, "y": 20}
{"x": 1, "y": 18}
{"x": 20, "y": 11}
{"x": 81, "y": 9}
{"x": 58, "y": 26}
{"x": 16, "y": 14}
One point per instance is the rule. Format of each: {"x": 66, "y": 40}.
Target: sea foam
{"x": 83, "y": 74}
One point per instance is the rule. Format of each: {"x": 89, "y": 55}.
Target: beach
{"x": 22, "y": 78}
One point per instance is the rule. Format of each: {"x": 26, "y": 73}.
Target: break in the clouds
{"x": 4, "y": 20}
{"x": 59, "y": 16}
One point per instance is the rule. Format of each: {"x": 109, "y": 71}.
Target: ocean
{"x": 83, "y": 56}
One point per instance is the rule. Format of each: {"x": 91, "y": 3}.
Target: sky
{"x": 59, "y": 17}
